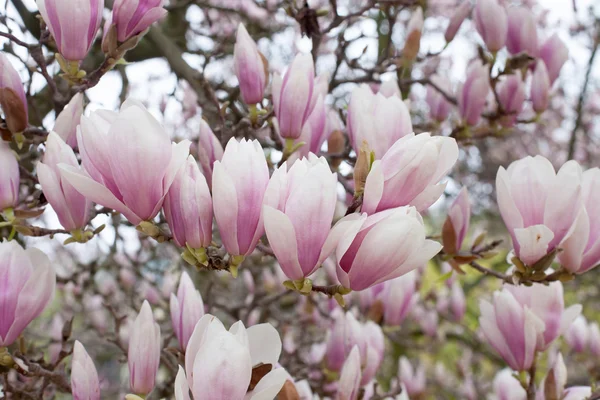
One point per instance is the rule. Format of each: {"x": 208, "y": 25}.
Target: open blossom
{"x": 298, "y": 211}
{"x": 250, "y": 67}
{"x": 143, "y": 356}
{"x": 128, "y": 159}
{"x": 511, "y": 328}
{"x": 381, "y": 247}
{"x": 522, "y": 31}
{"x": 188, "y": 207}
{"x": 84, "y": 377}
{"x": 9, "y": 178}
{"x": 473, "y": 93}
{"x": 219, "y": 363}
{"x": 72, "y": 208}
{"x": 12, "y": 97}
{"x": 68, "y": 120}
{"x": 209, "y": 150}
{"x": 538, "y": 205}
{"x": 554, "y": 53}
{"x": 27, "y": 281}
{"x": 540, "y": 87}
{"x": 376, "y": 119}
{"x": 292, "y": 96}
{"x": 581, "y": 251}
{"x": 186, "y": 310}
{"x": 73, "y": 25}
{"x": 409, "y": 172}
{"x": 132, "y": 17}
{"x": 511, "y": 93}
{"x": 239, "y": 183}
{"x": 457, "y": 222}
{"x": 491, "y": 23}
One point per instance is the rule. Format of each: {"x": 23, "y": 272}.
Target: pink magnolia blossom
{"x": 540, "y": 87}
{"x": 84, "y": 377}
{"x": 554, "y": 53}
{"x": 250, "y": 67}
{"x": 132, "y": 17}
{"x": 143, "y": 356}
{"x": 473, "y": 93}
{"x": 456, "y": 20}
{"x": 186, "y": 310}
{"x": 68, "y": 120}
{"x": 9, "y": 178}
{"x": 12, "y": 97}
{"x": 522, "y": 31}
{"x": 491, "y": 23}
{"x": 209, "y": 150}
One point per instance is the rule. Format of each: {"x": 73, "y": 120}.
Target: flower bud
{"x": 73, "y": 25}
{"x": 554, "y": 53}
{"x": 12, "y": 97}
{"x": 491, "y": 23}
{"x": 457, "y": 223}
{"x": 239, "y": 183}
{"x": 350, "y": 377}
{"x": 250, "y": 66}
{"x": 209, "y": 150}
{"x": 412, "y": 379}
{"x": 144, "y": 352}
{"x": 132, "y": 17}
{"x": 458, "y": 17}
{"x": 540, "y": 87}
{"x": 9, "y": 178}
{"x": 473, "y": 93}
{"x": 439, "y": 107}
{"x": 27, "y": 281}
{"x": 398, "y": 297}
{"x": 413, "y": 35}
{"x": 458, "y": 302}
{"x": 511, "y": 93}
{"x": 84, "y": 377}
{"x": 72, "y": 208}
{"x": 577, "y": 336}
{"x": 186, "y": 310}
{"x": 522, "y": 31}
{"x": 68, "y": 120}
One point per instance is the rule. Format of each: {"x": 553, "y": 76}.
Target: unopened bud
{"x": 335, "y": 145}
{"x": 361, "y": 168}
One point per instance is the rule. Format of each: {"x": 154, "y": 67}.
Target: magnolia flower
{"x": 9, "y": 178}
{"x": 132, "y": 17}
{"x": 12, "y": 97}
{"x": 68, "y": 120}
{"x": 143, "y": 356}
{"x": 491, "y": 23}
{"x": 186, "y": 310}
{"x": 84, "y": 377}
{"x": 250, "y": 67}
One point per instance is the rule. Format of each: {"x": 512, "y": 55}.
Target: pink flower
{"x": 315, "y": 130}
{"x": 409, "y": 172}
{"x": 491, "y": 23}
{"x": 522, "y": 31}
{"x": 72, "y": 208}
{"x": 398, "y": 297}
{"x": 381, "y": 247}
{"x": 413, "y": 379}
{"x": 27, "y": 282}
{"x": 345, "y": 333}
{"x": 84, "y": 377}
{"x": 129, "y": 161}
{"x": 538, "y": 206}
{"x": 209, "y": 150}
{"x": 582, "y": 249}
{"x": 456, "y": 20}
{"x": 132, "y": 17}
{"x": 439, "y": 107}
{"x": 73, "y": 24}
{"x": 458, "y": 302}
{"x": 250, "y": 67}
{"x": 473, "y": 93}
{"x": 12, "y": 97}
{"x": 188, "y": 207}
{"x": 186, "y": 310}
{"x": 577, "y": 336}
{"x": 9, "y": 178}
{"x": 554, "y": 53}
{"x": 350, "y": 377}
{"x": 298, "y": 211}
{"x": 511, "y": 93}
{"x": 459, "y": 217}
{"x": 540, "y": 87}
{"x": 292, "y": 96}
{"x": 239, "y": 183}
{"x": 507, "y": 387}
{"x": 376, "y": 119}
{"x": 68, "y": 120}
{"x": 143, "y": 356}
{"x": 511, "y": 328}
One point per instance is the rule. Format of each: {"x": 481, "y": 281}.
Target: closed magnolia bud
{"x": 554, "y": 53}
{"x": 581, "y": 250}
{"x": 439, "y": 106}
{"x": 540, "y": 87}
{"x": 472, "y": 94}
{"x": 458, "y": 302}
{"x": 350, "y": 377}
{"x": 413, "y": 379}
{"x": 27, "y": 286}
{"x": 73, "y": 25}
{"x": 9, "y": 178}
{"x": 186, "y": 310}
{"x": 250, "y": 67}
{"x": 408, "y": 174}
{"x": 457, "y": 223}
{"x": 522, "y": 32}
{"x": 188, "y": 207}
{"x": 72, "y": 208}
{"x": 292, "y": 96}
{"x": 460, "y": 14}
{"x": 239, "y": 183}
{"x": 12, "y": 97}
{"x": 398, "y": 298}
{"x": 68, "y": 120}
{"x": 336, "y": 143}
{"x": 578, "y": 334}
{"x": 538, "y": 224}
{"x": 84, "y": 377}
{"x": 491, "y": 23}
{"x": 307, "y": 190}
{"x": 361, "y": 168}
{"x": 132, "y": 17}
{"x": 413, "y": 36}
{"x": 345, "y": 333}
{"x": 554, "y": 383}
{"x": 511, "y": 93}
{"x": 143, "y": 356}
{"x": 394, "y": 240}
{"x": 209, "y": 150}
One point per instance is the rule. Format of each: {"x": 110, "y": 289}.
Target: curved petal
{"x": 282, "y": 239}
{"x": 264, "y": 343}
{"x": 270, "y": 385}
{"x": 225, "y": 206}
{"x": 373, "y": 188}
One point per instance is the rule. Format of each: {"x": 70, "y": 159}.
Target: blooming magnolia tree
{"x": 290, "y": 201}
